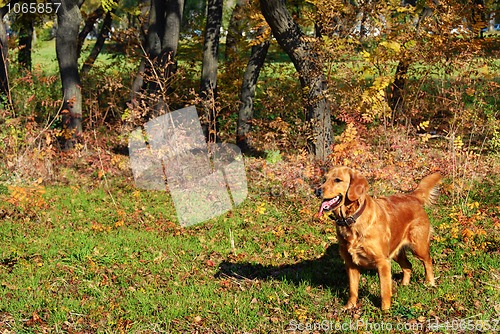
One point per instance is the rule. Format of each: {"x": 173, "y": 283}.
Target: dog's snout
{"x": 318, "y": 192}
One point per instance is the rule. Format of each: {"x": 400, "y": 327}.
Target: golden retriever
{"x": 372, "y": 231}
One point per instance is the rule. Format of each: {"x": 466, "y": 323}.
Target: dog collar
{"x": 343, "y": 221}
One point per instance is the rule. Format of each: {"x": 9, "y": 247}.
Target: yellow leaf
{"x": 483, "y": 70}
{"x": 365, "y": 55}
{"x": 261, "y": 209}
{"x": 458, "y": 143}
{"x": 423, "y": 125}
{"x": 382, "y": 82}
{"x": 425, "y": 138}
{"x": 391, "y": 45}
{"x": 410, "y": 44}
{"x": 481, "y": 232}
{"x": 466, "y": 233}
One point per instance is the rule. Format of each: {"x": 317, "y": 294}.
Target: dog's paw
{"x": 349, "y": 306}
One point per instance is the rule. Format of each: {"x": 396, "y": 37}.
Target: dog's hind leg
{"x": 405, "y": 264}
{"x": 422, "y": 251}
{"x": 419, "y": 242}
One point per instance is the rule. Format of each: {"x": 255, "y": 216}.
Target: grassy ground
{"x": 93, "y": 253}
{"x": 83, "y": 250}
{"x": 44, "y": 56}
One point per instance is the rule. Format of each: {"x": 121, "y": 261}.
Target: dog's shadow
{"x": 326, "y": 271}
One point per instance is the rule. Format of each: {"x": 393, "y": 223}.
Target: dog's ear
{"x": 357, "y": 187}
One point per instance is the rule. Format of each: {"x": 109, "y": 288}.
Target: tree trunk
{"x": 208, "y": 87}
{"x": 99, "y": 43}
{"x": 245, "y": 114}
{"x": 309, "y": 67}
{"x": 156, "y": 28}
{"x": 396, "y": 99}
{"x": 165, "y": 19}
{"x": 170, "y": 40}
{"x": 4, "y": 51}
{"x": 236, "y": 27}
{"x": 138, "y": 83}
{"x": 68, "y": 21}
{"x": 89, "y": 26}
{"x": 25, "y": 43}
{"x": 153, "y": 48}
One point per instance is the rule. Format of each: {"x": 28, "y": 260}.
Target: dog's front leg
{"x": 353, "y": 273}
{"x": 384, "y": 274}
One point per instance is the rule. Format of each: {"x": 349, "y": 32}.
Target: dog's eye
{"x": 337, "y": 180}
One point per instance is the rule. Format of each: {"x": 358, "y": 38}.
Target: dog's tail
{"x": 426, "y": 191}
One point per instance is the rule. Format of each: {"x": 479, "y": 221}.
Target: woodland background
{"x": 394, "y": 89}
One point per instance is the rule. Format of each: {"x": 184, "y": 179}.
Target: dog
{"x": 372, "y": 231}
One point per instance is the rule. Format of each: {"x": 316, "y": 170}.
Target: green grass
{"x": 78, "y": 255}
{"x": 93, "y": 258}
{"x": 44, "y": 56}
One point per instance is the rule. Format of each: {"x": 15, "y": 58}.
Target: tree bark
{"x": 208, "y": 87}
{"x": 99, "y": 43}
{"x": 89, "y": 26}
{"x": 245, "y": 114}
{"x": 68, "y": 21}
{"x": 4, "y": 51}
{"x": 153, "y": 48}
{"x": 235, "y": 29}
{"x": 396, "y": 99}
{"x": 170, "y": 39}
{"x": 25, "y": 43}
{"x": 162, "y": 41}
{"x": 138, "y": 83}
{"x": 309, "y": 67}
{"x": 156, "y": 28}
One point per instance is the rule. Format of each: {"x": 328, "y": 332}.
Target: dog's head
{"x": 343, "y": 186}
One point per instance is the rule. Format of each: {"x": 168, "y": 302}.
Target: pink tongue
{"x": 326, "y": 206}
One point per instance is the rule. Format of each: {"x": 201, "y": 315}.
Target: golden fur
{"x": 382, "y": 228}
